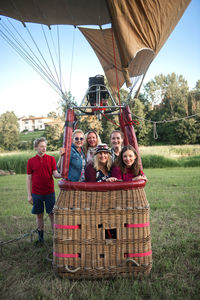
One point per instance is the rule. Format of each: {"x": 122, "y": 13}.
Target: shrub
{"x": 157, "y": 161}
{"x": 17, "y": 162}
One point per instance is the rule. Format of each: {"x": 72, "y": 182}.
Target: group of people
{"x": 90, "y": 161}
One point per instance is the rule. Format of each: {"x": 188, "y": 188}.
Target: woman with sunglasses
{"x": 92, "y": 139}
{"x": 100, "y": 169}
{"x": 77, "y": 157}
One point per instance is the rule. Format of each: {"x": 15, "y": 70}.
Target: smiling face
{"x": 41, "y": 148}
{"x": 78, "y": 140}
{"x": 116, "y": 140}
{"x": 102, "y": 157}
{"x": 92, "y": 139}
{"x": 128, "y": 158}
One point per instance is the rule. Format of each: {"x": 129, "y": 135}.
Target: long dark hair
{"x": 135, "y": 168}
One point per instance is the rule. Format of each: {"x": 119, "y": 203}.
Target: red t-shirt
{"x": 41, "y": 169}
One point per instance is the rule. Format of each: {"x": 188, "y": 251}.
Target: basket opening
{"x": 111, "y": 234}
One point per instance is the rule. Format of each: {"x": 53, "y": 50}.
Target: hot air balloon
{"x": 130, "y": 35}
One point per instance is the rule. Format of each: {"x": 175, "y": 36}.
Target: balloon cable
{"x": 72, "y": 59}
{"x": 48, "y": 47}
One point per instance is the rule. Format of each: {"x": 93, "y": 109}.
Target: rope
{"x": 58, "y": 58}
{"x": 58, "y": 35}
{"x": 10, "y": 34}
{"x": 114, "y": 123}
{"x": 25, "y": 56}
{"x": 166, "y": 121}
{"x": 49, "y": 73}
{"x": 155, "y": 134}
{"x": 72, "y": 59}
{"x": 138, "y": 90}
{"x": 24, "y": 235}
{"x": 59, "y": 79}
{"x": 71, "y": 270}
{"x": 18, "y": 238}
{"x": 133, "y": 122}
{"x": 91, "y": 269}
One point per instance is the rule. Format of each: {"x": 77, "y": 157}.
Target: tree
{"x": 66, "y": 102}
{"x": 169, "y": 92}
{"x": 9, "y": 131}
{"x": 142, "y": 129}
{"x": 186, "y": 131}
{"x": 107, "y": 128}
{"x": 87, "y": 122}
{"x": 197, "y": 86}
{"x": 54, "y": 134}
{"x": 170, "y": 99}
{"x": 194, "y": 99}
{"x": 155, "y": 89}
{"x": 52, "y": 115}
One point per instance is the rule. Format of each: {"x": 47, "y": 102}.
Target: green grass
{"x": 171, "y": 151}
{"x": 30, "y": 135}
{"x": 173, "y": 194}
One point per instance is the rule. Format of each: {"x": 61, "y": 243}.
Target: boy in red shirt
{"x": 40, "y": 184}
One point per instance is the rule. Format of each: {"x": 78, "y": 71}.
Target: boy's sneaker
{"x": 41, "y": 236}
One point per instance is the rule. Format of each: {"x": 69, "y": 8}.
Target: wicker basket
{"x": 101, "y": 230}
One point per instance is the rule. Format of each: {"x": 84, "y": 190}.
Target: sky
{"x": 23, "y": 91}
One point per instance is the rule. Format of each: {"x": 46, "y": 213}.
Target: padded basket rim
{"x": 100, "y": 186}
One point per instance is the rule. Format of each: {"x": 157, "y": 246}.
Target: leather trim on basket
{"x": 100, "y": 186}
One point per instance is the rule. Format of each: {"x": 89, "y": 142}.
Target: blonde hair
{"x": 108, "y": 165}
{"x": 39, "y": 140}
{"x": 77, "y": 131}
{"x": 86, "y": 145}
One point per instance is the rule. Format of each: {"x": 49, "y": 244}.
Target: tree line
{"x": 165, "y": 112}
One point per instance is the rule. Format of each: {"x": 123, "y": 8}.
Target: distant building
{"x": 33, "y": 123}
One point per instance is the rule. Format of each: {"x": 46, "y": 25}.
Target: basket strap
{"x": 71, "y": 270}
{"x": 131, "y": 260}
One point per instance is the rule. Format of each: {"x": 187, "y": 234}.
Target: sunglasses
{"x": 78, "y": 139}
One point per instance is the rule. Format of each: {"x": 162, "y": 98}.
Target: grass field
{"x": 171, "y": 151}
{"x": 174, "y": 197}
{"x": 30, "y": 135}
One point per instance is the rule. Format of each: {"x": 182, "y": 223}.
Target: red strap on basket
{"x": 138, "y": 254}
{"x": 137, "y": 225}
{"x": 65, "y": 255}
{"x": 66, "y": 226}
{"x": 109, "y": 234}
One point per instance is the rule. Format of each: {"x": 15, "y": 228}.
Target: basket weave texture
{"x": 101, "y": 234}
